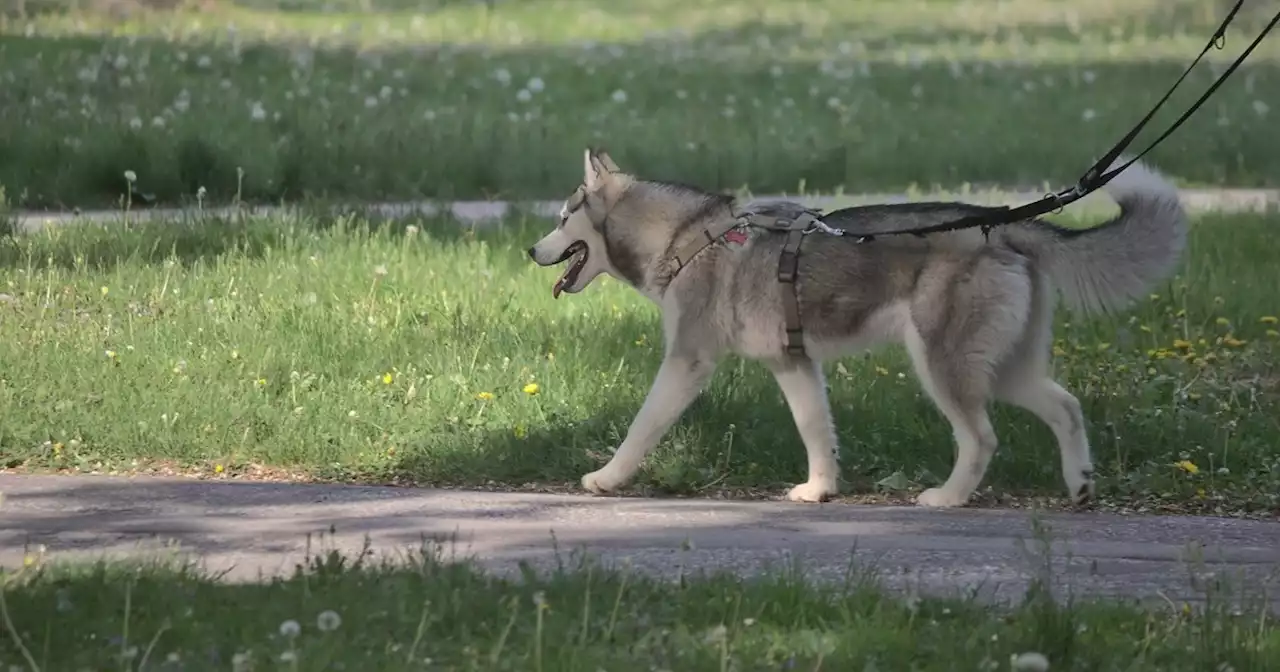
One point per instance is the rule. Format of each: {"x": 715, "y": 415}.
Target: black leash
{"x": 1097, "y": 176}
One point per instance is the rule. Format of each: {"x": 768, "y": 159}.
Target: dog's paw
{"x": 940, "y": 498}
{"x": 600, "y": 482}
{"x": 1081, "y": 487}
{"x": 812, "y": 491}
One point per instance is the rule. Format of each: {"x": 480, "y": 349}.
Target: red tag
{"x": 736, "y": 236}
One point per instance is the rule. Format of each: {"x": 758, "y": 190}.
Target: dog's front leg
{"x": 680, "y": 379}
{"x": 805, "y": 390}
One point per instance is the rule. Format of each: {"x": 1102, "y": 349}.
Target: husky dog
{"x": 974, "y": 311}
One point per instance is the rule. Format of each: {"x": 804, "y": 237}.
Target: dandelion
{"x": 1222, "y": 322}
{"x": 1181, "y": 344}
{"x": 1268, "y": 319}
{"x": 619, "y": 96}
{"x": 1261, "y": 108}
{"x": 520, "y": 431}
{"x": 135, "y": 123}
{"x": 881, "y": 371}
{"x": 380, "y": 270}
{"x": 257, "y": 112}
{"x": 1029, "y": 662}
{"x": 328, "y": 620}
{"x": 1232, "y": 341}
{"x": 387, "y": 378}
{"x": 531, "y": 389}
{"x": 536, "y": 85}
{"x": 540, "y": 600}
{"x": 1088, "y": 114}
{"x": 111, "y": 354}
{"x": 1188, "y": 466}
{"x": 218, "y": 468}
{"x": 523, "y": 95}
{"x": 485, "y": 396}
{"x": 410, "y": 230}
{"x": 1272, "y": 333}
{"x": 290, "y": 629}
{"x": 130, "y": 177}
{"x": 261, "y": 382}
{"x": 241, "y": 662}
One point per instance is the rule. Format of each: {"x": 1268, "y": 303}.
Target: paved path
{"x": 245, "y": 528}
{"x": 1226, "y": 200}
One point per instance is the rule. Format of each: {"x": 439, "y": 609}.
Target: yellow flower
{"x": 1273, "y": 333}
{"x": 387, "y": 378}
{"x": 531, "y": 389}
{"x": 111, "y": 354}
{"x": 882, "y": 371}
{"x": 218, "y": 468}
{"x": 1181, "y": 344}
{"x": 1232, "y": 341}
{"x": 104, "y": 290}
{"x": 1222, "y": 321}
{"x": 485, "y": 396}
{"x": 1268, "y": 319}
{"x": 261, "y": 382}
{"x": 520, "y": 431}
{"x": 1188, "y": 466}
{"x": 1058, "y": 351}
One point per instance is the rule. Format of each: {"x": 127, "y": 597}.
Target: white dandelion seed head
{"x": 619, "y": 96}
{"x": 290, "y": 628}
{"x": 536, "y": 85}
{"x": 524, "y": 96}
{"x": 328, "y": 620}
{"x": 130, "y": 176}
{"x": 1029, "y": 662}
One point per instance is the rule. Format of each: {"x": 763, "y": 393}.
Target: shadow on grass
{"x": 194, "y": 238}
{"x": 895, "y": 132}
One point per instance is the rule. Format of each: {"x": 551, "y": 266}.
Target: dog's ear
{"x": 597, "y": 169}
{"x": 607, "y": 161}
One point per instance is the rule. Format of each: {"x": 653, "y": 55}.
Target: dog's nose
{"x": 531, "y": 256}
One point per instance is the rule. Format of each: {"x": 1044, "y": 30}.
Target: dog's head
{"x": 579, "y": 236}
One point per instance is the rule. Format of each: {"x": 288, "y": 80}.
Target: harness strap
{"x": 708, "y": 236}
{"x": 788, "y": 261}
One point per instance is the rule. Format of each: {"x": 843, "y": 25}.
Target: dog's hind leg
{"x": 1059, "y": 409}
{"x": 959, "y": 334}
{"x": 680, "y": 379}
{"x": 805, "y": 389}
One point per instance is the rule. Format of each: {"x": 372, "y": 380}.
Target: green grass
{"x": 428, "y": 614}
{"x": 399, "y": 100}
{"x": 341, "y": 349}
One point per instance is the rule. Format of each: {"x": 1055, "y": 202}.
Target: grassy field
{"x": 433, "y": 353}
{"x": 383, "y": 99}
{"x": 426, "y": 614}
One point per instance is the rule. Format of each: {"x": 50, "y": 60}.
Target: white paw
{"x": 1080, "y": 486}
{"x": 812, "y": 491}
{"x": 601, "y": 482}
{"x": 940, "y": 498}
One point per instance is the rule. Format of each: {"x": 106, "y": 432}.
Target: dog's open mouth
{"x": 577, "y": 255}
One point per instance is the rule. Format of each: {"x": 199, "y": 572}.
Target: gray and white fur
{"x": 974, "y": 313}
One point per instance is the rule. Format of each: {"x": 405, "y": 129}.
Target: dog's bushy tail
{"x": 1103, "y": 268}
